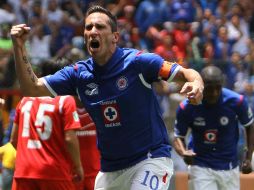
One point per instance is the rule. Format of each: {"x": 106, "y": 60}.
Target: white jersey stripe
{"x": 147, "y": 85}
{"x": 49, "y": 87}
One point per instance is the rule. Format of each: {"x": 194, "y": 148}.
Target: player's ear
{"x": 116, "y": 36}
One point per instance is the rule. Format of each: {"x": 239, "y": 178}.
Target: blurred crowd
{"x": 194, "y": 33}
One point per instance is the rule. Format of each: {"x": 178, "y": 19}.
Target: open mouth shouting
{"x": 94, "y": 45}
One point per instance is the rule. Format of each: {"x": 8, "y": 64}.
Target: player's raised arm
{"x": 29, "y": 83}
{"x": 193, "y": 88}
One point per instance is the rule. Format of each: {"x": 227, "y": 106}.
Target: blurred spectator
{"x": 8, "y": 128}
{"x": 73, "y": 9}
{"x": 7, "y": 76}
{"x": 149, "y": 13}
{"x": 54, "y": 12}
{"x": 209, "y": 4}
{"x": 222, "y": 44}
{"x": 127, "y": 28}
{"x": 182, "y": 36}
{"x": 238, "y": 29}
{"x": 39, "y": 38}
{"x": 62, "y": 34}
{"x": 222, "y": 10}
{"x": 236, "y": 73}
{"x": 5, "y": 40}
{"x": 184, "y": 9}
{"x": 8, "y": 157}
{"x": 6, "y": 12}
{"x": 36, "y": 11}
{"x": 208, "y": 26}
{"x": 165, "y": 48}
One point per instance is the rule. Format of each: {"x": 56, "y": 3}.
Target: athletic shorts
{"x": 209, "y": 179}
{"x": 149, "y": 174}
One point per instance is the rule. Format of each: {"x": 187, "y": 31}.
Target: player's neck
{"x": 103, "y": 59}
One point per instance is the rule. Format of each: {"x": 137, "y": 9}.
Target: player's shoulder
{"x": 128, "y": 53}
{"x": 135, "y": 53}
{"x": 230, "y": 96}
{"x": 81, "y": 65}
{"x": 26, "y": 99}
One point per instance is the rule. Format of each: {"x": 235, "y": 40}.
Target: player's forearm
{"x": 250, "y": 141}
{"x": 179, "y": 146}
{"x": 72, "y": 145}
{"x": 14, "y": 135}
{"x": 24, "y": 71}
{"x": 193, "y": 76}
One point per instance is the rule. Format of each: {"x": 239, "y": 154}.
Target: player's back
{"x": 41, "y": 143}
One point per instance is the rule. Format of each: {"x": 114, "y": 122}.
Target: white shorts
{"x": 209, "y": 179}
{"x": 149, "y": 174}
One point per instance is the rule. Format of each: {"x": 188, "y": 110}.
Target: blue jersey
{"x": 214, "y": 129}
{"x": 119, "y": 98}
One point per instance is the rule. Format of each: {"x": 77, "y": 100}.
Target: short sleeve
{"x": 62, "y": 82}
{"x": 244, "y": 111}
{"x": 181, "y": 122}
{"x": 70, "y": 115}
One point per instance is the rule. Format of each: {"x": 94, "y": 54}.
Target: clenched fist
{"x": 19, "y": 34}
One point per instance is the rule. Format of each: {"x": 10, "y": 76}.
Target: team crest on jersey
{"x": 111, "y": 113}
{"x": 210, "y": 136}
{"x": 92, "y": 89}
{"x": 224, "y": 120}
{"x": 122, "y": 83}
{"x": 199, "y": 121}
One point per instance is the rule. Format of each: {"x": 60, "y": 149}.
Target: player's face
{"x": 212, "y": 93}
{"x": 100, "y": 40}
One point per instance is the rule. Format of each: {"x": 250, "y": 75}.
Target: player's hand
{"x": 78, "y": 175}
{"x": 246, "y": 167}
{"x": 19, "y": 34}
{"x": 193, "y": 91}
{"x": 188, "y": 157}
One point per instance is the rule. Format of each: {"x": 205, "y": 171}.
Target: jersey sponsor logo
{"x": 111, "y": 114}
{"x": 210, "y": 136}
{"x": 224, "y": 120}
{"x": 86, "y": 133}
{"x": 122, "y": 83}
{"x": 93, "y": 89}
{"x": 199, "y": 121}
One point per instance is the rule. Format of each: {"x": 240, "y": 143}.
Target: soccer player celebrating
{"x": 214, "y": 131}
{"x": 114, "y": 85}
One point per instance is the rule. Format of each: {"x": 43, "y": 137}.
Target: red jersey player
{"x": 44, "y": 134}
{"x": 89, "y": 153}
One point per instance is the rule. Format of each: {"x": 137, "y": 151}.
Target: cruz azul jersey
{"x": 90, "y": 156}
{"x": 41, "y": 146}
{"x": 121, "y": 102}
{"x": 215, "y": 129}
